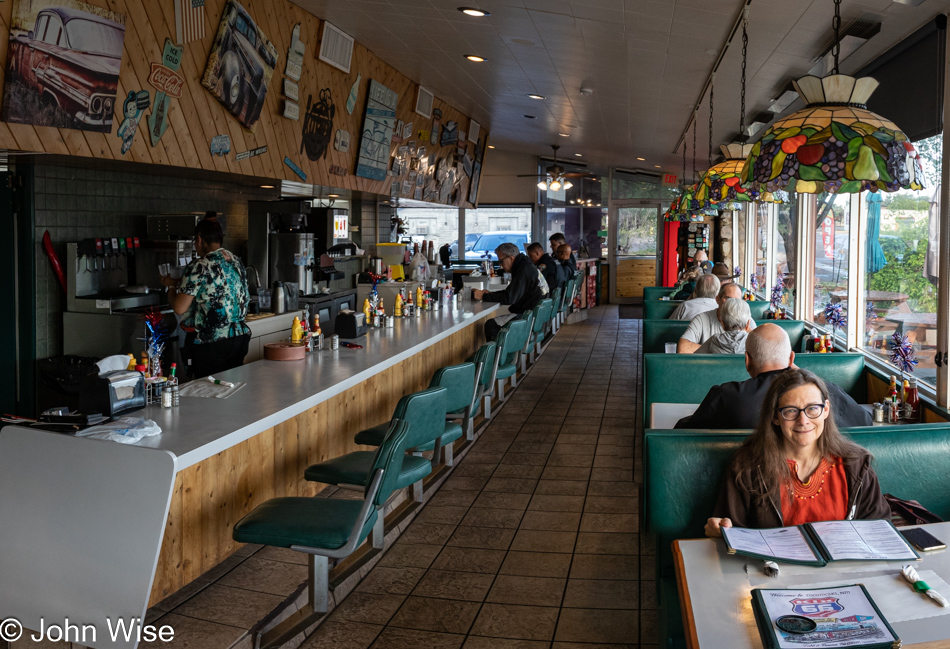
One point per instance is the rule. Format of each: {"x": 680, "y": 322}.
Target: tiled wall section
{"x": 75, "y": 203}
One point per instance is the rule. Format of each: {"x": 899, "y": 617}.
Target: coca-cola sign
{"x": 166, "y": 80}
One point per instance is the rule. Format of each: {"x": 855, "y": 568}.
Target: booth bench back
{"x": 662, "y": 309}
{"x": 658, "y": 332}
{"x": 686, "y": 378}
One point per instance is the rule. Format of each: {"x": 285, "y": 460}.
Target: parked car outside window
{"x": 484, "y": 246}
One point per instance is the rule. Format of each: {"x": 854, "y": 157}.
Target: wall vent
{"x": 424, "y": 102}
{"x": 336, "y": 47}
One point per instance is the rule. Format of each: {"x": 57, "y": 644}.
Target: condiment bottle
{"x": 296, "y": 330}
{"x": 892, "y": 397}
{"x": 912, "y": 402}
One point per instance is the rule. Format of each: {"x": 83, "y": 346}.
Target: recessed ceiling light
{"x": 267, "y": 186}
{"x": 537, "y": 96}
{"x": 531, "y": 117}
{"x": 333, "y": 195}
{"x": 491, "y": 146}
{"x": 657, "y": 166}
{"x": 579, "y": 155}
{"x": 564, "y": 134}
{"x": 641, "y": 159}
{"x": 477, "y": 13}
{"x": 475, "y": 58}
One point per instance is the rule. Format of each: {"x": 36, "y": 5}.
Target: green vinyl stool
{"x": 487, "y": 357}
{"x": 424, "y": 412}
{"x": 324, "y": 529}
{"x": 540, "y": 320}
{"x": 511, "y": 340}
{"x": 459, "y": 381}
{"x": 555, "y": 307}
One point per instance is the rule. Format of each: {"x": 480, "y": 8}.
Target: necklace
{"x": 816, "y": 481}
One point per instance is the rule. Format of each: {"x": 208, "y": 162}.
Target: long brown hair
{"x": 763, "y": 453}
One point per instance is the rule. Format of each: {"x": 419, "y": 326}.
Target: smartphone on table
{"x": 923, "y": 540}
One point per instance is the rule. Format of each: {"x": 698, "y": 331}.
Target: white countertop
{"x": 279, "y": 390}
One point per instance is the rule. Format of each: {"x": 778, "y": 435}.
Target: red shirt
{"x": 823, "y": 498}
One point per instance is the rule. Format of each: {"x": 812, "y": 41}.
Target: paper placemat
{"x": 202, "y": 388}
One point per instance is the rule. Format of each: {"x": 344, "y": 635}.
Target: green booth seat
{"x": 683, "y": 472}
{"x": 656, "y": 292}
{"x": 686, "y": 378}
{"x": 324, "y": 528}
{"x": 424, "y": 412}
{"x": 656, "y": 333}
{"x": 663, "y": 309}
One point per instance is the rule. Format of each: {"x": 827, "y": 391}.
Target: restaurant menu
{"x": 825, "y": 618}
{"x": 816, "y": 544}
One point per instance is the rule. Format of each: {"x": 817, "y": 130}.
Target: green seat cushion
{"x": 452, "y": 432}
{"x": 504, "y": 371}
{"x": 354, "y": 468}
{"x": 312, "y": 522}
{"x": 372, "y": 436}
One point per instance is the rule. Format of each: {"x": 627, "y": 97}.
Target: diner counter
{"x": 277, "y": 391}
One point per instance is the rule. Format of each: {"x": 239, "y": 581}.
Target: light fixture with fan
{"x": 555, "y": 178}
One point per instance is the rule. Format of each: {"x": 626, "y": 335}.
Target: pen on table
{"x": 217, "y": 382}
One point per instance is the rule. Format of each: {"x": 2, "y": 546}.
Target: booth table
{"x": 715, "y": 592}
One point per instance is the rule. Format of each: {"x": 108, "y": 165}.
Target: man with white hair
{"x": 704, "y": 299}
{"x": 706, "y": 325}
{"x": 526, "y": 289}
{"x": 736, "y": 405}
{"x": 736, "y": 321}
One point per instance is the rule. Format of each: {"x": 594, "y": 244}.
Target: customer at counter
{"x": 526, "y": 289}
{"x": 550, "y": 269}
{"x": 797, "y": 467}
{"x": 565, "y": 257}
{"x": 557, "y": 240}
{"x": 213, "y": 293}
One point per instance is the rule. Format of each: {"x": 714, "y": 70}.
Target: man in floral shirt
{"x": 214, "y": 289}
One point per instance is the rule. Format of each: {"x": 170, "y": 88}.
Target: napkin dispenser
{"x": 350, "y": 324}
{"x": 112, "y": 393}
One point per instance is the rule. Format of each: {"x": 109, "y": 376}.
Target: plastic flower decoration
{"x": 902, "y": 354}
{"x": 777, "y": 291}
{"x": 834, "y": 315}
{"x": 737, "y": 271}
{"x": 753, "y": 282}
{"x": 834, "y": 144}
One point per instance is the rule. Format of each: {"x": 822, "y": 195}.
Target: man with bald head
{"x": 565, "y": 256}
{"x": 736, "y": 405}
{"x": 707, "y": 324}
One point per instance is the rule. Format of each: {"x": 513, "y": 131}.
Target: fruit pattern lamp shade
{"x": 722, "y": 182}
{"x": 834, "y": 144}
{"x": 680, "y": 211}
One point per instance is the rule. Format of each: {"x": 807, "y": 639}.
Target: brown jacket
{"x": 865, "y": 500}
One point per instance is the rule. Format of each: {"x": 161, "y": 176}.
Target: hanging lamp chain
{"x": 712, "y": 88}
{"x": 745, "y": 50}
{"x": 836, "y": 24}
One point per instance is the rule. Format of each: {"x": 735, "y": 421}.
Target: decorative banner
{"x": 295, "y": 54}
{"x": 221, "y": 145}
{"x": 244, "y": 155}
{"x": 354, "y": 90}
{"x": 378, "y": 124}
{"x": 240, "y": 65}
{"x": 318, "y": 125}
{"x": 169, "y": 83}
{"x": 42, "y": 76}
{"x": 297, "y": 170}
{"x": 189, "y": 20}
{"x": 341, "y": 141}
{"x": 133, "y": 107}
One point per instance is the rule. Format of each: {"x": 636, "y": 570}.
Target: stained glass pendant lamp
{"x": 834, "y": 144}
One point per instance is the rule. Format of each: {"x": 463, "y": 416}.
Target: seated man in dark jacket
{"x": 768, "y": 353}
{"x": 565, "y": 256}
{"x": 526, "y": 289}
{"x": 551, "y": 270}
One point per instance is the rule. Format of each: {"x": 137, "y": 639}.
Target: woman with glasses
{"x": 797, "y": 467}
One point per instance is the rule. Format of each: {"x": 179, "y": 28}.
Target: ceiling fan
{"x": 555, "y": 178}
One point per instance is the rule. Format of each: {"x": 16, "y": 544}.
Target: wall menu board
{"x": 378, "y": 124}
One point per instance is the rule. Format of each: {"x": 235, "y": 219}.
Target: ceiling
{"x": 645, "y": 61}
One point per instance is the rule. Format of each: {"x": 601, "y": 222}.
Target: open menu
{"x": 842, "y": 616}
{"x": 815, "y": 544}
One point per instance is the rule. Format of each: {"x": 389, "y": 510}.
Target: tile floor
{"x": 533, "y": 542}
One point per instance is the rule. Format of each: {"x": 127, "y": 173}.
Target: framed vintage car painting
{"x": 63, "y": 65}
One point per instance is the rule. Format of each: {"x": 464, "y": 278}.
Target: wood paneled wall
{"x": 198, "y": 116}
{"x": 213, "y": 495}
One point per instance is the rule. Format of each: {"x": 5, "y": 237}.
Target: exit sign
{"x": 669, "y": 180}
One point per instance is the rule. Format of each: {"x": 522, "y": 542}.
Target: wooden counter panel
{"x": 211, "y": 496}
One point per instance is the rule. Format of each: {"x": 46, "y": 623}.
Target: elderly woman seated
{"x": 797, "y": 467}
{"x": 736, "y": 321}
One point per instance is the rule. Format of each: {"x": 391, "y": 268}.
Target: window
{"x": 739, "y": 245}
{"x": 580, "y": 213}
{"x": 901, "y": 269}
{"x": 636, "y": 231}
{"x": 786, "y": 246}
{"x": 485, "y": 225}
{"x": 437, "y": 224}
{"x": 53, "y": 31}
{"x": 762, "y": 249}
{"x": 832, "y": 247}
